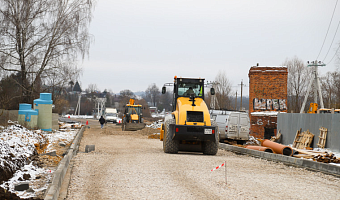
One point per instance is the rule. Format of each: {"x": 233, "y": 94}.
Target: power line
{"x": 332, "y": 40}
{"x": 328, "y": 29}
{"x": 334, "y": 54}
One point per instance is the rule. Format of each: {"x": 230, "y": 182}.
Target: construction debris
{"x": 277, "y": 137}
{"x": 322, "y": 137}
{"x": 253, "y": 141}
{"x": 63, "y": 125}
{"x": 303, "y": 140}
{"x": 328, "y": 158}
{"x": 318, "y": 156}
{"x": 154, "y": 136}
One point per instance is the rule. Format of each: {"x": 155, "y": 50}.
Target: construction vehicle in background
{"x": 189, "y": 126}
{"x": 132, "y": 117}
{"x": 111, "y": 115}
{"x": 313, "y": 108}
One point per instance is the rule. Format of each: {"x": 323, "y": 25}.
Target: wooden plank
{"x": 297, "y": 138}
{"x": 322, "y": 137}
{"x": 308, "y": 152}
{"x": 277, "y": 137}
{"x": 303, "y": 156}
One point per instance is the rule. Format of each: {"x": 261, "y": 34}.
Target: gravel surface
{"x": 127, "y": 165}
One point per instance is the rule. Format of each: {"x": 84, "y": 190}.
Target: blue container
{"x": 27, "y": 117}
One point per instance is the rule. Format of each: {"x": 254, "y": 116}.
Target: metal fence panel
{"x": 289, "y": 123}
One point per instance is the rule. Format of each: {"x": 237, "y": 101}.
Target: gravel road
{"x": 127, "y": 165}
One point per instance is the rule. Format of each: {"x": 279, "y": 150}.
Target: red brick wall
{"x": 260, "y": 123}
{"x": 267, "y": 83}
{"x": 267, "y": 92}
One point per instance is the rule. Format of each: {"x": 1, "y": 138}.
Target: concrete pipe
{"x": 260, "y": 148}
{"x": 278, "y": 148}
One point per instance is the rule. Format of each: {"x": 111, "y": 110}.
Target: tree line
{"x": 42, "y": 40}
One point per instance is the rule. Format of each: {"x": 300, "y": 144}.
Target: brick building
{"x": 267, "y": 97}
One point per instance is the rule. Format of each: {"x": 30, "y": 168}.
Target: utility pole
{"x": 236, "y": 101}
{"x": 241, "y": 106}
{"x": 213, "y": 98}
{"x": 316, "y": 84}
{"x": 241, "y": 93}
{"x": 78, "y": 105}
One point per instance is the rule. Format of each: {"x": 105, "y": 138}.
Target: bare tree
{"x": 91, "y": 88}
{"x": 58, "y": 79}
{"x": 165, "y": 101}
{"x": 37, "y": 37}
{"x": 327, "y": 85}
{"x": 223, "y": 90}
{"x": 335, "y": 80}
{"x": 298, "y": 79}
{"x": 127, "y": 94}
{"x": 152, "y": 93}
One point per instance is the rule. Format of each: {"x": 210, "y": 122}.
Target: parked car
{"x": 232, "y": 125}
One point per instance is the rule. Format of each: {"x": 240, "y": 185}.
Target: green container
{"x": 44, "y": 108}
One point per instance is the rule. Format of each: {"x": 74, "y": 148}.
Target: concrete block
{"x": 62, "y": 144}
{"x": 52, "y": 153}
{"x": 89, "y": 148}
{"x": 21, "y": 186}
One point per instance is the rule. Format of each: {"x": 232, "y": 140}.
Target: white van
{"x": 111, "y": 115}
{"x": 232, "y": 125}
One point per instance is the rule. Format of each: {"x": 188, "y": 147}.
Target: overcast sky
{"x": 137, "y": 43}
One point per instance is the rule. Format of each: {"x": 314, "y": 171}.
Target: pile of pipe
{"x": 272, "y": 147}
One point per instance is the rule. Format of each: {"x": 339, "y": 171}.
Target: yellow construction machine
{"x": 313, "y": 108}
{"x": 189, "y": 126}
{"x": 132, "y": 117}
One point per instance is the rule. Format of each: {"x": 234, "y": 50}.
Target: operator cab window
{"x": 185, "y": 89}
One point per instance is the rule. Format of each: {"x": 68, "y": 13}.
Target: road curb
{"x": 298, "y": 162}
{"x": 52, "y": 192}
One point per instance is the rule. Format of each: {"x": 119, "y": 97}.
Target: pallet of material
{"x": 322, "y": 137}
{"x": 303, "y": 140}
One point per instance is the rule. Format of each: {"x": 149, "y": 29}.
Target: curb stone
{"x": 52, "y": 192}
{"x": 298, "y": 162}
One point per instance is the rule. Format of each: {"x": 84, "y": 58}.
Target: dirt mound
{"x": 6, "y": 195}
{"x": 147, "y": 131}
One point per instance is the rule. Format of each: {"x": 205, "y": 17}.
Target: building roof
{"x": 76, "y": 87}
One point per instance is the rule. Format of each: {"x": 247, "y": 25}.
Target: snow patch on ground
{"x": 17, "y": 144}
{"x": 33, "y": 171}
{"x": 79, "y": 116}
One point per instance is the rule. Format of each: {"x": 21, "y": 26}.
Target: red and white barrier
{"x": 218, "y": 167}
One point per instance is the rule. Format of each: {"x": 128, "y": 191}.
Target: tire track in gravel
{"x": 126, "y": 165}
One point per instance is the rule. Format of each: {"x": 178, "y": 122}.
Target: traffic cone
{"x": 87, "y": 122}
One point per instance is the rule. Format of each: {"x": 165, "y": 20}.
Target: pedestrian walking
{"x": 102, "y": 121}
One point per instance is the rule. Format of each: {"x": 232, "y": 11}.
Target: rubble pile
{"x": 155, "y": 125}
{"x": 63, "y": 125}
{"x": 328, "y": 158}
{"x": 253, "y": 141}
